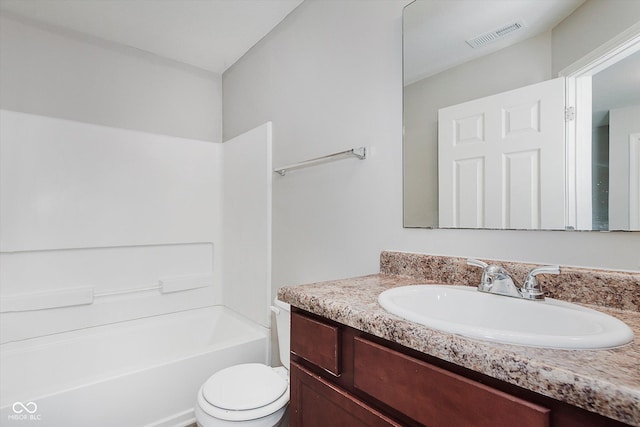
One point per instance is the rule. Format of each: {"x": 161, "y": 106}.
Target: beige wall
{"x": 58, "y": 73}
{"x": 570, "y": 40}
{"x": 330, "y": 77}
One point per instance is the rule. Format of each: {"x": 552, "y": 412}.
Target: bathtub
{"x": 143, "y": 372}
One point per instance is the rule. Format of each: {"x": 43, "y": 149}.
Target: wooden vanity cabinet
{"x": 344, "y": 377}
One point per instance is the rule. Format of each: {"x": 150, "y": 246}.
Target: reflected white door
{"x": 501, "y": 160}
{"x": 624, "y": 179}
{"x": 634, "y": 182}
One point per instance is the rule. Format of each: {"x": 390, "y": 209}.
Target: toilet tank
{"x": 282, "y": 311}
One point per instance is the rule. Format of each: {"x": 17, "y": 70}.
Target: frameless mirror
{"x": 488, "y": 142}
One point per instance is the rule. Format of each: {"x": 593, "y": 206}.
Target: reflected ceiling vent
{"x": 496, "y": 34}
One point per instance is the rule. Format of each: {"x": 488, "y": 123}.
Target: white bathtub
{"x": 143, "y": 372}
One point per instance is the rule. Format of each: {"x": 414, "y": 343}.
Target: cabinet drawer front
{"x": 315, "y": 402}
{"x": 316, "y": 342}
{"x": 435, "y": 397}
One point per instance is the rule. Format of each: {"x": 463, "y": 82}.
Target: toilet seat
{"x": 245, "y": 392}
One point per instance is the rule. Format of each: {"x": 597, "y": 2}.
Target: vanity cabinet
{"x": 344, "y": 377}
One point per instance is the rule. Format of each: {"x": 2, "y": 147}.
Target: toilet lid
{"x": 244, "y": 387}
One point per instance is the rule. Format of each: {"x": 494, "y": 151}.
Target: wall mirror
{"x": 519, "y": 117}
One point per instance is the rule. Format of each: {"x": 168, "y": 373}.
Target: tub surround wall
{"x": 111, "y": 211}
{"x": 121, "y": 210}
{"x": 606, "y": 382}
{"x": 247, "y": 224}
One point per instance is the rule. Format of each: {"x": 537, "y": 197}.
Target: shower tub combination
{"x": 143, "y": 372}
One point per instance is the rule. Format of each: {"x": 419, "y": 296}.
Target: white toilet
{"x": 251, "y": 394}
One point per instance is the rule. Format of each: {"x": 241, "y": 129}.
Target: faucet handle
{"x": 545, "y": 269}
{"x": 485, "y": 282}
{"x": 531, "y": 288}
{"x": 488, "y": 270}
{"x": 477, "y": 263}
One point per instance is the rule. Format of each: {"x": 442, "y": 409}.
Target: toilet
{"x": 250, "y": 394}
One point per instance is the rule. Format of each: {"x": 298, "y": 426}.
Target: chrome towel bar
{"x": 360, "y": 153}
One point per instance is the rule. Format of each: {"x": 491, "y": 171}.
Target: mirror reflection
{"x": 615, "y": 142}
{"x": 487, "y": 140}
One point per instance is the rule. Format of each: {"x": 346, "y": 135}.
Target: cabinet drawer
{"x": 316, "y": 342}
{"x": 435, "y": 397}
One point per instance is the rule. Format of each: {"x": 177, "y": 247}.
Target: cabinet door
{"x": 435, "y": 397}
{"x": 318, "y": 403}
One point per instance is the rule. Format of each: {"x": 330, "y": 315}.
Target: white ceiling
{"x": 208, "y": 34}
{"x": 435, "y": 31}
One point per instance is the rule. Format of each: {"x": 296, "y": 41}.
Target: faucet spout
{"x": 498, "y": 281}
{"x": 495, "y": 279}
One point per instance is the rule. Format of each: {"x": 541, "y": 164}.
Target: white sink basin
{"x": 466, "y": 311}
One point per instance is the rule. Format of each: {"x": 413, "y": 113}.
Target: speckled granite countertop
{"x": 602, "y": 381}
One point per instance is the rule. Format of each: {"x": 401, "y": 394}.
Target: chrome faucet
{"x": 496, "y": 280}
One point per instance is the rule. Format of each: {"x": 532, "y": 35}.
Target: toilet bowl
{"x": 250, "y": 394}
